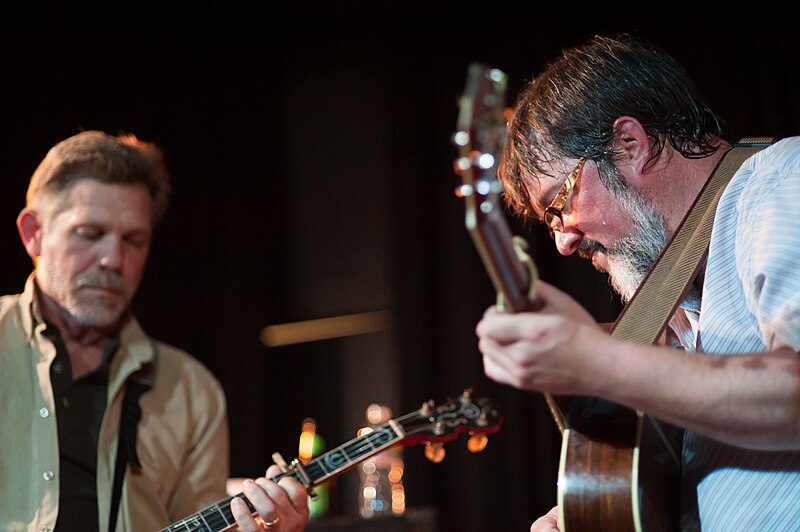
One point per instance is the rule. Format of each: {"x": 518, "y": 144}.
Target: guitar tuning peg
{"x": 434, "y": 452}
{"x": 477, "y": 442}
{"x": 427, "y": 408}
{"x": 467, "y": 395}
{"x": 483, "y": 419}
{"x": 460, "y": 138}
{"x": 461, "y": 165}
{"x": 463, "y": 191}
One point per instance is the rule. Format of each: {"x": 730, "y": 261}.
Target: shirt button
{"x": 48, "y": 475}
{"x": 58, "y": 369}
{"x": 44, "y": 412}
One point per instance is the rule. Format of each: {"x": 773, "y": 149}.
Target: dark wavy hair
{"x": 569, "y": 109}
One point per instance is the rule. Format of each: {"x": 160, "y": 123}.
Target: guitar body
{"x": 623, "y": 476}
{"x": 619, "y": 469}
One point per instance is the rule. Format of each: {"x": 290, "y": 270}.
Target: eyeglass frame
{"x": 554, "y": 209}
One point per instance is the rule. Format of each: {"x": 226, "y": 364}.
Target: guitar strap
{"x": 138, "y": 383}
{"x": 646, "y": 315}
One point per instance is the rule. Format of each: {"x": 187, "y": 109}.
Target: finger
{"x": 547, "y": 523}
{"x": 498, "y": 326}
{"x": 505, "y": 328}
{"x": 531, "y": 328}
{"x": 259, "y": 497}
{"x": 291, "y": 516}
{"x": 273, "y": 471}
{"x": 276, "y": 494}
{"x": 495, "y": 369}
{"x": 241, "y": 513}
{"x": 297, "y": 493}
{"x": 507, "y": 343}
{"x": 492, "y": 310}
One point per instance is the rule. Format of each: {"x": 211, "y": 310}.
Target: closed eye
{"x": 89, "y": 232}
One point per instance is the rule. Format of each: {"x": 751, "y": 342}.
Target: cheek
{"x": 602, "y": 214}
{"x": 134, "y": 265}
{"x": 68, "y": 259}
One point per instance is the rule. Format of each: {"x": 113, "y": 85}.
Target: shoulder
{"x": 782, "y": 157}
{"x": 17, "y": 311}
{"x": 178, "y": 379}
{"x": 15, "y": 324}
{"x": 770, "y": 179}
{"x": 9, "y": 304}
{"x": 181, "y": 374}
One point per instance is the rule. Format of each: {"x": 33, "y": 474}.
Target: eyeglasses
{"x": 552, "y": 214}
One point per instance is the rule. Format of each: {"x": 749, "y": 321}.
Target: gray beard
{"x": 630, "y": 258}
{"x": 81, "y": 308}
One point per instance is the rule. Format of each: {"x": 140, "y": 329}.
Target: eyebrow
{"x": 541, "y": 202}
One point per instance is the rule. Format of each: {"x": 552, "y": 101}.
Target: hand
{"x": 281, "y": 506}
{"x": 549, "y": 350}
{"x": 546, "y": 523}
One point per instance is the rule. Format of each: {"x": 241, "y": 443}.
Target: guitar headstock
{"x": 480, "y": 134}
{"x": 435, "y": 425}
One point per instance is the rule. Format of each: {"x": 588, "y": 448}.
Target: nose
{"x": 568, "y": 242}
{"x": 111, "y": 253}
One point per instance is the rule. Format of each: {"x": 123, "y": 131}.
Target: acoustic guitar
{"x": 430, "y": 425}
{"x": 619, "y": 469}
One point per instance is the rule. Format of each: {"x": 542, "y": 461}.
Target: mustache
{"x": 101, "y": 279}
{"x": 588, "y": 247}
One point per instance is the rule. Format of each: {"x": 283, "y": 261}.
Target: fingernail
{"x": 247, "y": 483}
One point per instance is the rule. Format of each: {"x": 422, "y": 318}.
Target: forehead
{"x": 91, "y": 200}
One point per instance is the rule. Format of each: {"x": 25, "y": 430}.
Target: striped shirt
{"x": 750, "y": 303}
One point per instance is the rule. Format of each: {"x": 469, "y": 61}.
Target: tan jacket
{"x": 182, "y": 437}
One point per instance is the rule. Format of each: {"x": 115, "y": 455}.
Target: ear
{"x": 30, "y": 231}
{"x": 631, "y": 140}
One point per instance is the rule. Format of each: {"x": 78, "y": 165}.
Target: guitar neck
{"x": 495, "y": 243}
{"x": 218, "y": 516}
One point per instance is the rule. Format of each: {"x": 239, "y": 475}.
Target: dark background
{"x": 312, "y": 165}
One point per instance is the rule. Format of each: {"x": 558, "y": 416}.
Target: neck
{"x": 684, "y": 179}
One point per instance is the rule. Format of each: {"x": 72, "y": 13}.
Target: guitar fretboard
{"x": 218, "y": 516}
